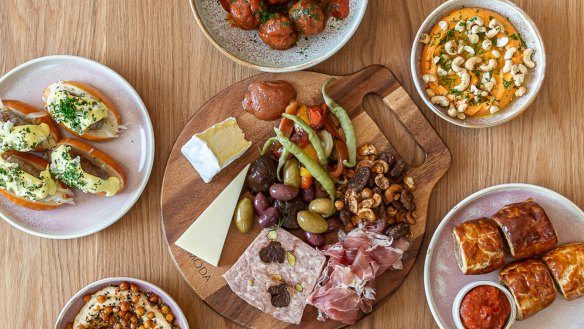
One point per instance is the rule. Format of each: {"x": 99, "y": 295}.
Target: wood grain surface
{"x": 157, "y": 46}
{"x": 182, "y": 185}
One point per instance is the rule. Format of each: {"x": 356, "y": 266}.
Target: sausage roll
{"x": 530, "y": 284}
{"x": 527, "y": 228}
{"x": 566, "y": 263}
{"x": 478, "y": 246}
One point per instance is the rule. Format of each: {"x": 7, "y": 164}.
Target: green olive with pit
{"x": 292, "y": 173}
{"x": 311, "y": 222}
{"x": 321, "y": 206}
{"x": 243, "y": 215}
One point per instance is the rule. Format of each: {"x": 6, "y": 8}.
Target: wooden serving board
{"x": 185, "y": 195}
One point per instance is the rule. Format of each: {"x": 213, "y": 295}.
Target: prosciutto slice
{"x": 347, "y": 284}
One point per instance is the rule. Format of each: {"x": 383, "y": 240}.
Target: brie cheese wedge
{"x": 216, "y": 148}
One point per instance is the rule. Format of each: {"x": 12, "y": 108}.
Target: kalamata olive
{"x": 270, "y": 217}
{"x": 292, "y": 173}
{"x": 311, "y": 222}
{"x": 321, "y": 206}
{"x": 309, "y": 194}
{"x": 333, "y": 224}
{"x": 243, "y": 215}
{"x": 283, "y": 192}
{"x": 315, "y": 240}
{"x": 261, "y": 203}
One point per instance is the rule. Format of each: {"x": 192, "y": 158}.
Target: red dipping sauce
{"x": 485, "y": 307}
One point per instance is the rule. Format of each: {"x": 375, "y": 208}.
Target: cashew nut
{"x": 367, "y": 213}
{"x": 491, "y": 65}
{"x": 469, "y": 50}
{"x": 430, "y": 92}
{"x": 475, "y": 90}
{"x": 494, "y": 109}
{"x": 502, "y": 42}
{"x": 429, "y": 78}
{"x": 376, "y": 200}
{"x": 436, "y": 59}
{"x": 489, "y": 85}
{"x": 487, "y": 44}
{"x": 456, "y": 63}
{"x": 509, "y": 53}
{"x": 464, "y": 80}
{"x": 449, "y": 47}
{"x": 478, "y": 29}
{"x": 452, "y": 112}
{"x": 462, "y": 106}
{"x": 475, "y": 20}
{"x": 367, "y": 203}
{"x": 521, "y": 91}
{"x": 473, "y": 38}
{"x": 495, "y": 23}
{"x": 441, "y": 72}
{"x": 518, "y": 79}
{"x": 486, "y": 77}
{"x": 518, "y": 68}
{"x": 440, "y": 100}
{"x": 392, "y": 193}
{"x": 508, "y": 66}
{"x": 460, "y": 47}
{"x": 443, "y": 25}
{"x": 496, "y": 53}
{"x": 424, "y": 38}
{"x": 493, "y": 32}
{"x": 527, "y": 58}
{"x": 459, "y": 27}
{"x": 461, "y": 116}
{"x": 471, "y": 62}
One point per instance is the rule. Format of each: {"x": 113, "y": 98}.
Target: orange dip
{"x": 485, "y": 307}
{"x": 489, "y": 90}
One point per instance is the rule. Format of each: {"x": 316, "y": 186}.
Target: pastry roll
{"x": 478, "y": 246}
{"x": 566, "y": 263}
{"x": 530, "y": 284}
{"x": 527, "y": 229}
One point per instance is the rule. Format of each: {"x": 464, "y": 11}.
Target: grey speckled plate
{"x": 443, "y": 279}
{"x": 530, "y": 34}
{"x": 246, "y": 47}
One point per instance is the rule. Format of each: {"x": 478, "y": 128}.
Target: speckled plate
{"x": 443, "y": 279}
{"x": 74, "y": 304}
{"x": 133, "y": 150}
{"x": 530, "y": 34}
{"x": 246, "y": 47}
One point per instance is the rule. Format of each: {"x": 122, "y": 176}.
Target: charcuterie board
{"x": 185, "y": 196}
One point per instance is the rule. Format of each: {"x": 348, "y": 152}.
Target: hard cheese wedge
{"x": 215, "y": 148}
{"x": 206, "y": 236}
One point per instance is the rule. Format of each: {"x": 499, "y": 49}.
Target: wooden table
{"x": 157, "y": 46}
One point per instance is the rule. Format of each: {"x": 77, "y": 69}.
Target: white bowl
{"x": 74, "y": 304}
{"x": 469, "y": 287}
{"x": 528, "y": 31}
{"x": 246, "y": 47}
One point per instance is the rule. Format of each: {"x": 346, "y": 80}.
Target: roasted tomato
{"x": 337, "y": 8}
{"x": 226, "y": 4}
{"x": 278, "y": 33}
{"x": 246, "y": 13}
{"x": 308, "y": 17}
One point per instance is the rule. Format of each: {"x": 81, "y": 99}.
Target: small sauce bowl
{"x": 465, "y": 290}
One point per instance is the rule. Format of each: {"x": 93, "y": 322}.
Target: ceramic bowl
{"x": 76, "y": 302}
{"x": 246, "y": 47}
{"x": 469, "y": 287}
{"x": 530, "y": 34}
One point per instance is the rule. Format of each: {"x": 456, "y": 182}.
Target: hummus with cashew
{"x": 474, "y": 63}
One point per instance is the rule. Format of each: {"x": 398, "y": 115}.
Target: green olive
{"x": 321, "y": 206}
{"x": 311, "y": 222}
{"x": 292, "y": 173}
{"x": 243, "y": 215}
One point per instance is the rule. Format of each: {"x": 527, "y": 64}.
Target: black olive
{"x": 273, "y": 252}
{"x": 280, "y": 295}
{"x": 289, "y": 210}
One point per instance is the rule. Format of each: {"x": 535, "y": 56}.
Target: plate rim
{"x": 149, "y": 157}
{"x": 114, "y": 279}
{"x": 288, "y": 68}
{"x": 454, "y": 210}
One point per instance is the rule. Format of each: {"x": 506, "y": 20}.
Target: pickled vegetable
{"x": 292, "y": 173}
{"x": 321, "y": 206}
